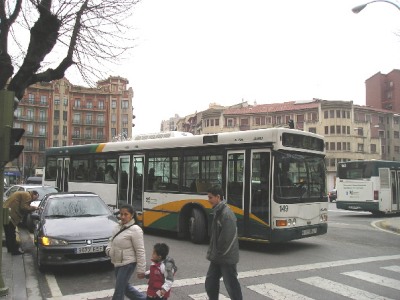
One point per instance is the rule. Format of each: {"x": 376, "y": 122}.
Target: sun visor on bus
{"x": 209, "y": 139}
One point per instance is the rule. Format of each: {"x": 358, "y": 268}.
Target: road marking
{"x": 377, "y": 279}
{"x": 245, "y": 274}
{"x": 53, "y": 286}
{"x": 341, "y": 289}
{"x": 203, "y": 296}
{"x": 392, "y": 268}
{"x": 276, "y": 292}
{"x": 349, "y": 211}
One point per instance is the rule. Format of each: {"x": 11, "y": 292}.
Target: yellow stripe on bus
{"x": 100, "y": 147}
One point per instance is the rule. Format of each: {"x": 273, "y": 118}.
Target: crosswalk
{"x": 277, "y": 292}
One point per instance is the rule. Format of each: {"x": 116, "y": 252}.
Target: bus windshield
{"x": 299, "y": 178}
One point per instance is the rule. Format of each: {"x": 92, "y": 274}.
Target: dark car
{"x": 43, "y": 190}
{"x": 72, "y": 228}
{"x": 332, "y": 195}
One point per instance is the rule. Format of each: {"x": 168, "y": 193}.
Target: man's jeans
{"x": 122, "y": 286}
{"x": 229, "y": 274}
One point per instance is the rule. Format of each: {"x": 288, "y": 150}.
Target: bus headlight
{"x": 324, "y": 218}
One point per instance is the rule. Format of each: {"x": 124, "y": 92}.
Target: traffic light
{"x": 9, "y": 135}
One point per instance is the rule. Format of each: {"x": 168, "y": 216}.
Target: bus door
{"x": 62, "y": 174}
{"x": 124, "y": 175}
{"x": 386, "y": 189}
{"x": 235, "y": 186}
{"x": 260, "y": 187}
{"x": 137, "y": 182}
{"x": 396, "y": 193}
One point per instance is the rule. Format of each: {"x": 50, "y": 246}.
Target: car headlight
{"x": 48, "y": 241}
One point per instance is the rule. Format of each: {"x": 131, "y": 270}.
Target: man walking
{"x": 19, "y": 205}
{"x": 223, "y": 252}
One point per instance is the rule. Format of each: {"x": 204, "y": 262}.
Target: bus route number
{"x": 283, "y": 208}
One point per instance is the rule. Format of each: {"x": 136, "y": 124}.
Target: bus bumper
{"x": 363, "y": 206}
{"x": 288, "y": 234}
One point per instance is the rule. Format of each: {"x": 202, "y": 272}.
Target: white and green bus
{"x": 369, "y": 185}
{"x": 273, "y": 180}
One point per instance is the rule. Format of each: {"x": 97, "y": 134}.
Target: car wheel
{"x": 197, "y": 227}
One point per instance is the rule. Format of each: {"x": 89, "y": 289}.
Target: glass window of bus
{"x": 51, "y": 169}
{"x": 299, "y": 178}
{"x": 97, "y": 170}
{"x": 110, "y": 173}
{"x": 200, "y": 172}
{"x": 80, "y": 169}
{"x": 355, "y": 170}
{"x": 163, "y": 173}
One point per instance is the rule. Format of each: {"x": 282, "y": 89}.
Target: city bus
{"x": 369, "y": 185}
{"x": 273, "y": 179}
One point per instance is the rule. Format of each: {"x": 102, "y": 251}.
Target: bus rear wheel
{"x": 197, "y": 227}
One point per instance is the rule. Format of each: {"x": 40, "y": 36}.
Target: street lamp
{"x": 359, "y": 8}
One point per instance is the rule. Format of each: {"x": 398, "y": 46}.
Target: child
{"x": 161, "y": 273}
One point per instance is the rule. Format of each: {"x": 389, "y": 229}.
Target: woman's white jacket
{"x": 127, "y": 247}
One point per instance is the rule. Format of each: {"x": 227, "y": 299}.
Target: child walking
{"x": 161, "y": 273}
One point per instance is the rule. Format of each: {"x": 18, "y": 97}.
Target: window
{"x": 100, "y": 133}
{"x": 300, "y": 118}
{"x": 125, "y": 104}
{"x": 29, "y": 114}
{"x": 312, "y": 129}
{"x": 42, "y": 145}
{"x": 338, "y": 113}
{"x": 77, "y": 132}
{"x": 396, "y": 134}
{"x": 55, "y": 143}
{"x": 42, "y": 115}
{"x": 88, "y": 133}
{"x": 338, "y": 131}
{"x": 373, "y": 148}
{"x": 339, "y": 146}
{"x": 56, "y": 130}
{"x": 381, "y": 133}
{"x": 65, "y": 115}
{"x": 56, "y": 115}
{"x": 326, "y": 146}
{"x": 278, "y": 120}
{"x": 332, "y": 129}
{"x": 230, "y": 122}
{"x": 89, "y": 104}
{"x": 125, "y": 119}
{"x": 101, "y": 104}
{"x": 65, "y": 102}
{"x": 326, "y": 114}
{"x": 31, "y": 98}
{"x": 43, "y": 99}
{"x": 348, "y": 146}
{"x": 163, "y": 173}
{"x": 360, "y": 147}
{"x": 77, "y": 118}
{"x": 88, "y": 120}
{"x": 343, "y": 129}
{"x": 331, "y": 114}
{"x": 217, "y": 122}
{"x": 113, "y": 132}
{"x": 29, "y": 129}
{"x": 326, "y": 130}
{"x": 77, "y": 103}
{"x": 114, "y": 104}
{"x": 56, "y": 101}
{"x": 344, "y": 146}
{"x": 332, "y": 146}
{"x": 396, "y": 149}
{"x": 100, "y": 119}
{"x": 244, "y": 121}
{"x": 113, "y": 118}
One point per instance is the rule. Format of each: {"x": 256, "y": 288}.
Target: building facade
{"x": 383, "y": 91}
{"x": 59, "y": 114}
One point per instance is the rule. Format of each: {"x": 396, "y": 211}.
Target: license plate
{"x": 309, "y": 231}
{"x": 92, "y": 249}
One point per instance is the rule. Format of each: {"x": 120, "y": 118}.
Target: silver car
{"x": 72, "y": 228}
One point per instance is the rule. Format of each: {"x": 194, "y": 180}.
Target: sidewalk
{"x": 18, "y": 270}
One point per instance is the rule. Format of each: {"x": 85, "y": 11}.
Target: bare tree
{"x": 50, "y": 36}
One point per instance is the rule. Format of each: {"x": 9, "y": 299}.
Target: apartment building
{"x": 351, "y": 131}
{"x": 60, "y": 113}
{"x": 383, "y": 91}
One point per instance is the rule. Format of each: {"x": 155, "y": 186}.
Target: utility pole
{"x": 8, "y": 152}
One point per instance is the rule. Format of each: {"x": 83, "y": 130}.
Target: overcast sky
{"x": 191, "y": 53}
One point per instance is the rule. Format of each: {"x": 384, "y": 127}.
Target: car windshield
{"x": 75, "y": 206}
{"x": 43, "y": 190}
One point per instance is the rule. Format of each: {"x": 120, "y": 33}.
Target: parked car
{"x": 332, "y": 195}
{"x": 41, "y": 189}
{"x": 72, "y": 228}
{"x": 34, "y": 180}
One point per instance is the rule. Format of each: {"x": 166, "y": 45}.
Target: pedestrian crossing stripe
{"x": 341, "y": 289}
{"x": 392, "y": 268}
{"x": 203, "y": 296}
{"x": 276, "y": 292}
{"x": 377, "y": 279}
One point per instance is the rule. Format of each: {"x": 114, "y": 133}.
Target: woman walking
{"x": 126, "y": 250}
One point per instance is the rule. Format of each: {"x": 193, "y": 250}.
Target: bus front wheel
{"x": 197, "y": 227}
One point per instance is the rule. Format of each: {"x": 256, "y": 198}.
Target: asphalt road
{"x": 339, "y": 265}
